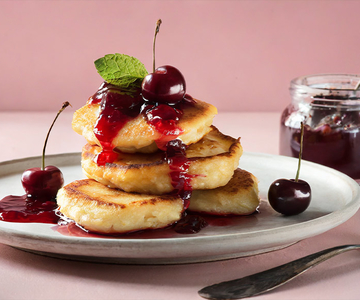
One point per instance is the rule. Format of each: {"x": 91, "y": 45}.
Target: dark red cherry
{"x": 42, "y": 184}
{"x": 289, "y": 197}
{"x": 165, "y": 85}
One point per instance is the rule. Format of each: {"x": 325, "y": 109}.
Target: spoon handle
{"x": 267, "y": 280}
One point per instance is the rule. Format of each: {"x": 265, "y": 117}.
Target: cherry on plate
{"x": 289, "y": 197}
{"x": 43, "y": 183}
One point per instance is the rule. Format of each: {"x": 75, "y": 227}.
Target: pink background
{"x": 238, "y": 55}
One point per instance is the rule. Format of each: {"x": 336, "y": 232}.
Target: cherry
{"x": 290, "y": 197}
{"x": 43, "y": 183}
{"x": 165, "y": 84}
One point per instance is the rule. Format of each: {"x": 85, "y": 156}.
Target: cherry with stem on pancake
{"x": 43, "y": 183}
{"x": 290, "y": 196}
{"x": 166, "y": 84}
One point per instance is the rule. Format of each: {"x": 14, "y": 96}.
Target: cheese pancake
{"x": 239, "y": 197}
{"x": 100, "y": 209}
{"x": 138, "y": 135}
{"x": 212, "y": 162}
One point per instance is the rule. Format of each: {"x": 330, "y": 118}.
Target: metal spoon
{"x": 270, "y": 279}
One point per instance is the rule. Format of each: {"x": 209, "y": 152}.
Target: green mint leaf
{"x": 121, "y": 70}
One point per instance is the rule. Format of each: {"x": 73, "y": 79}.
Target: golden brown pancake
{"x": 101, "y": 209}
{"x": 212, "y": 161}
{"x": 239, "y": 197}
{"x": 139, "y": 136}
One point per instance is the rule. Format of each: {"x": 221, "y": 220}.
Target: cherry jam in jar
{"x": 329, "y": 106}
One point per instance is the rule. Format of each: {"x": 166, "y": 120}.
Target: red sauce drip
{"x": 191, "y": 223}
{"x": 119, "y": 107}
{"x": 25, "y": 209}
{"x": 116, "y": 109}
{"x": 179, "y": 165}
{"x": 164, "y": 119}
{"x": 98, "y": 96}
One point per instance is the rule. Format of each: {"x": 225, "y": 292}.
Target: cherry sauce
{"x": 25, "y": 209}
{"x": 118, "y": 107}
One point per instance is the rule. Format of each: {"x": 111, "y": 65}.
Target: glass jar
{"x": 329, "y": 106}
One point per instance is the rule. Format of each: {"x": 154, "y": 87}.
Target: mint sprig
{"x": 121, "y": 70}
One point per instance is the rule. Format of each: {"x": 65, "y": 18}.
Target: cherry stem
{"x": 157, "y": 28}
{"x": 300, "y": 152}
{"x": 65, "y": 104}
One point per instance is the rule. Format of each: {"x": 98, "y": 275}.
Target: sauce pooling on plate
{"x": 25, "y": 209}
{"x": 189, "y": 224}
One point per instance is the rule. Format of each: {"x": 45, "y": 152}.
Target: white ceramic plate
{"x": 335, "y": 199}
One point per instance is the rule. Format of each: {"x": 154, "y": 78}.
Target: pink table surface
{"x": 29, "y": 276}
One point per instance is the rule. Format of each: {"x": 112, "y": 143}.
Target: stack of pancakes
{"x": 136, "y": 191}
